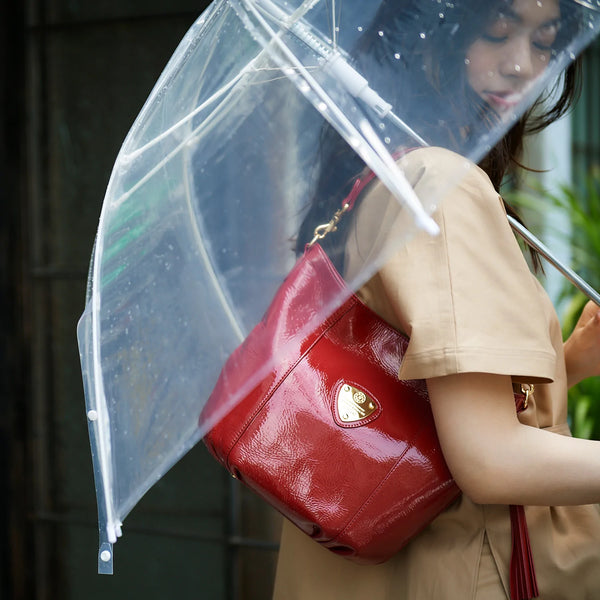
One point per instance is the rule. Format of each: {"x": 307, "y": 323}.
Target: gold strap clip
{"x": 527, "y": 389}
{"x": 322, "y": 230}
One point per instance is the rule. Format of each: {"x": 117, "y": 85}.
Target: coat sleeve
{"x": 466, "y": 298}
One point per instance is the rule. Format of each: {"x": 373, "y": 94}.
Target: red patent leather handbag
{"x": 330, "y": 436}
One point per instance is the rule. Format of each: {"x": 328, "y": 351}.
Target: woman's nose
{"x": 518, "y": 60}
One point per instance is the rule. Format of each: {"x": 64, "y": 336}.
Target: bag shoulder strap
{"x": 348, "y": 202}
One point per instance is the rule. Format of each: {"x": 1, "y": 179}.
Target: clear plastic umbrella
{"x": 214, "y": 178}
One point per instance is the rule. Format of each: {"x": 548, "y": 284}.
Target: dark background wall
{"x": 75, "y": 75}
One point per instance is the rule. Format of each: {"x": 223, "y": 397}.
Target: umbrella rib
{"x": 409, "y": 197}
{"x": 333, "y": 25}
{"x": 222, "y": 90}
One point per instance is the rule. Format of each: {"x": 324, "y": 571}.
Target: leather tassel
{"x": 523, "y": 583}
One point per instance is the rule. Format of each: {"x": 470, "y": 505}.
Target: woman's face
{"x": 513, "y": 51}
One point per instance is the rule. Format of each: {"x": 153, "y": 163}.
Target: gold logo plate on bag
{"x": 354, "y": 405}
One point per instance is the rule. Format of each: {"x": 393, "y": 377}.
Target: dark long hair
{"x": 437, "y": 72}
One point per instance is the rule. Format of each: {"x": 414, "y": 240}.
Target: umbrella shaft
{"x": 575, "y": 279}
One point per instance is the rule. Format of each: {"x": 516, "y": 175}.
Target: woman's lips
{"x": 503, "y": 100}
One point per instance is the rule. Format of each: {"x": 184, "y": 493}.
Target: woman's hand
{"x": 582, "y": 348}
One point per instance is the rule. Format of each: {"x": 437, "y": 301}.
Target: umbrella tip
{"x": 105, "y": 559}
{"x": 428, "y": 224}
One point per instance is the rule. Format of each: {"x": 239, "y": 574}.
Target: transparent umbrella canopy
{"x": 213, "y": 180}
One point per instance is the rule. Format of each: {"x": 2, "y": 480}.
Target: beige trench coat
{"x": 469, "y": 303}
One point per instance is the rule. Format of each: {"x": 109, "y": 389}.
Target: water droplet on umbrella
{"x": 322, "y": 106}
{"x": 380, "y": 33}
{"x": 467, "y": 61}
{"x": 422, "y": 35}
{"x": 397, "y": 56}
{"x": 387, "y": 140}
{"x": 518, "y": 68}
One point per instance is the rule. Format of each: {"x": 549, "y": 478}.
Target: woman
{"x": 479, "y": 325}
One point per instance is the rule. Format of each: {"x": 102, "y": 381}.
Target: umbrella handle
{"x": 575, "y": 279}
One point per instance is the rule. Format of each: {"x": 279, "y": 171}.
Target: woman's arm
{"x": 497, "y": 460}
{"x": 582, "y": 349}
